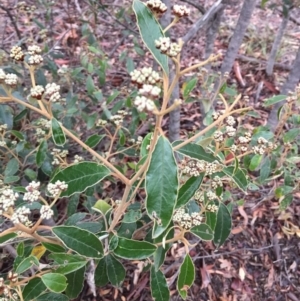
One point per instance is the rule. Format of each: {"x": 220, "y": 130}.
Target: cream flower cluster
{"x": 118, "y": 118}
{"x": 166, "y": 47}
{"x": 52, "y": 92}
{"x": 193, "y": 167}
{"x": 21, "y": 216}
{"x": 33, "y": 192}
{"x": 7, "y": 199}
{"x": 263, "y": 146}
{"x": 37, "y": 92}
{"x": 56, "y": 188}
{"x": 156, "y": 6}
{"x": 186, "y": 220}
{"x": 181, "y": 11}
{"x": 16, "y": 53}
{"x": 35, "y": 58}
{"x": 46, "y": 212}
{"x": 145, "y": 76}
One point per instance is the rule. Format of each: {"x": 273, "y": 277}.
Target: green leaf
{"x": 134, "y": 249}
{"x": 58, "y": 134}
{"x": 81, "y": 241}
{"x": 161, "y": 185}
{"x": 189, "y": 86}
{"x": 291, "y": 135}
{"x": 255, "y": 161}
{"x": 188, "y": 189}
{"x": 194, "y": 151}
{"x": 6, "y": 116}
{"x": 7, "y": 237}
{"x": 132, "y": 216}
{"x": 20, "y": 249}
{"x": 203, "y": 231}
{"x": 238, "y": 177}
{"x": 81, "y": 176}
{"x": 11, "y": 179}
{"x": 126, "y": 230}
{"x": 90, "y": 86}
{"x": 265, "y": 169}
{"x": 145, "y": 145}
{"x": 223, "y": 225}
{"x": 211, "y": 218}
{"x": 275, "y": 99}
{"x": 75, "y": 283}
{"x": 11, "y": 168}
{"x": 159, "y": 286}
{"x": 56, "y": 283}
{"x": 26, "y": 264}
{"x": 101, "y": 206}
{"x": 70, "y": 267}
{"x": 33, "y": 289}
{"x": 150, "y": 31}
{"x": 17, "y": 134}
{"x": 94, "y": 140}
{"x": 115, "y": 270}
{"x": 101, "y": 277}
{"x": 52, "y": 296}
{"x": 186, "y": 276}
{"x": 41, "y": 154}
{"x": 54, "y": 248}
{"x": 285, "y": 202}
{"x": 20, "y": 116}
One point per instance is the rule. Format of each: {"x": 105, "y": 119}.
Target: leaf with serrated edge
{"x": 161, "y": 186}
{"x": 159, "y": 286}
{"x": 81, "y": 241}
{"x": 81, "y": 176}
{"x": 186, "y": 276}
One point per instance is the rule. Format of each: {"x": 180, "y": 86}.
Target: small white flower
{"x": 35, "y": 59}
{"x": 218, "y": 136}
{"x": 37, "y": 92}
{"x": 7, "y": 199}
{"x": 20, "y": 215}
{"x": 52, "y": 92}
{"x": 230, "y": 121}
{"x": 230, "y": 131}
{"x": 181, "y": 11}
{"x": 34, "y": 49}
{"x": 157, "y": 6}
{"x": 56, "y": 188}
{"x": 11, "y": 79}
{"x": 16, "y": 53}
{"x": 46, "y": 212}
{"x": 32, "y": 193}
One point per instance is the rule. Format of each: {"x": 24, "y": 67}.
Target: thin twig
{"x": 7, "y": 10}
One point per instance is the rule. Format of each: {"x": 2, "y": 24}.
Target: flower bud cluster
{"x": 101, "y": 122}
{"x": 52, "y": 92}
{"x": 21, "y": 216}
{"x": 58, "y": 153}
{"x": 4, "y": 290}
{"x": 44, "y": 123}
{"x": 185, "y": 220}
{"x": 33, "y": 192}
{"x": 78, "y": 159}
{"x": 193, "y": 167}
{"x": 7, "y": 199}
{"x": 211, "y": 195}
{"x": 11, "y": 79}
{"x": 17, "y": 54}
{"x": 156, "y": 6}
{"x": 166, "y": 47}
{"x": 218, "y": 136}
{"x": 56, "y": 188}
{"x": 144, "y": 76}
{"x": 3, "y": 127}
{"x": 35, "y": 58}
{"x": 145, "y": 103}
{"x": 212, "y": 208}
{"x": 216, "y": 182}
{"x": 37, "y": 92}
{"x": 118, "y": 118}
{"x": 199, "y": 196}
{"x": 263, "y": 146}
{"x": 46, "y": 212}
{"x": 181, "y": 11}
{"x": 12, "y": 277}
